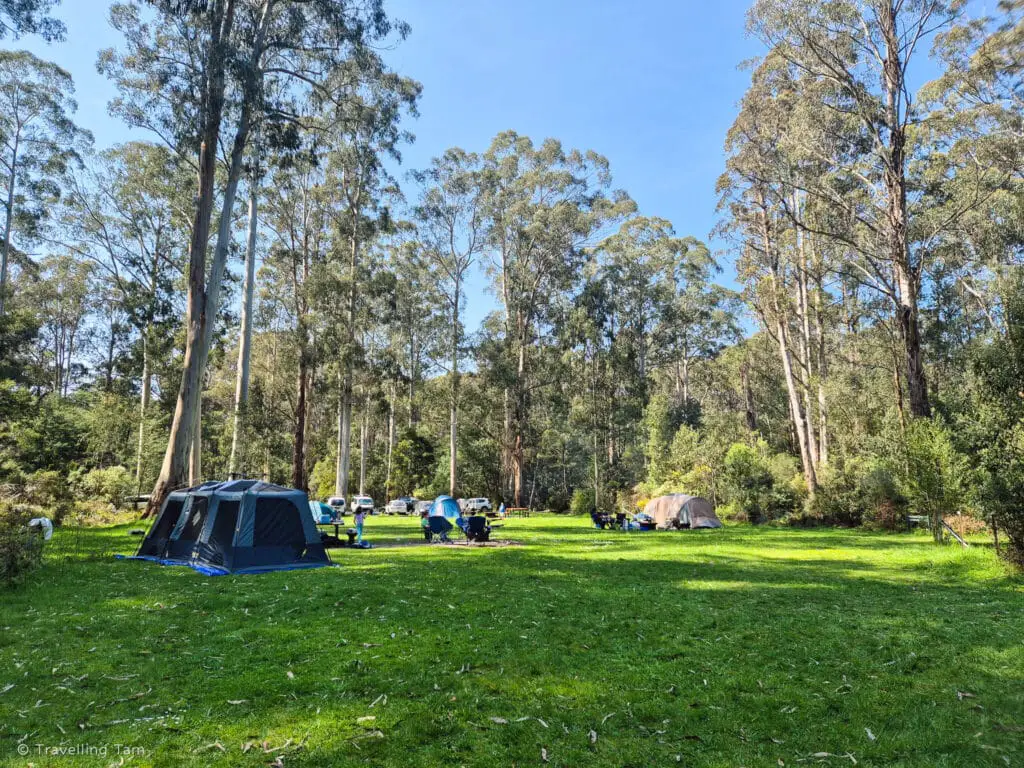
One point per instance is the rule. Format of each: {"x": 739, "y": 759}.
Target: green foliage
{"x": 47, "y": 488}
{"x": 763, "y": 487}
{"x": 412, "y": 463}
{"x": 321, "y": 479}
{"x": 934, "y": 475}
{"x": 111, "y": 485}
{"x": 856, "y": 491}
{"x": 49, "y": 436}
{"x": 21, "y": 547}
{"x": 582, "y": 501}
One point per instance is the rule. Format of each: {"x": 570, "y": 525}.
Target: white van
{"x": 362, "y": 503}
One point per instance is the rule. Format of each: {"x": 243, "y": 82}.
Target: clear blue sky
{"x": 651, "y": 85}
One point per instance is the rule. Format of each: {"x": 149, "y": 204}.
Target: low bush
{"x": 582, "y": 501}
{"x": 112, "y": 485}
{"x": 763, "y": 487}
{"x": 21, "y": 547}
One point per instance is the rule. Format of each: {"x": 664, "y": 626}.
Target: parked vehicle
{"x": 478, "y": 505}
{"x": 337, "y": 503}
{"x": 364, "y": 503}
{"x": 401, "y": 506}
{"x": 421, "y": 507}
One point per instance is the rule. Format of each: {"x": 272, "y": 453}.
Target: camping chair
{"x": 439, "y": 526}
{"x": 477, "y": 529}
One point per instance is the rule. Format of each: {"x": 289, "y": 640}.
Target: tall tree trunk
{"x": 195, "y": 451}
{"x": 453, "y": 405}
{"x": 518, "y": 426}
{"x": 364, "y": 435}
{"x": 143, "y": 407}
{"x": 391, "y": 439}
{"x": 748, "y": 397}
{"x": 179, "y": 442}
{"x": 805, "y": 373}
{"x": 8, "y": 221}
{"x": 795, "y": 404}
{"x": 299, "y": 436}
{"x": 245, "y": 331}
{"x": 345, "y": 418}
{"x": 819, "y": 327}
{"x": 893, "y": 85}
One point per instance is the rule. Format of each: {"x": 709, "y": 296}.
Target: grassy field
{"x": 753, "y": 647}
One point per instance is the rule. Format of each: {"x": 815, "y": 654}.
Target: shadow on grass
{"x": 724, "y": 649}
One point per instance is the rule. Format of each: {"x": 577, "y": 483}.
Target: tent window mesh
{"x": 277, "y": 522}
{"x": 196, "y": 518}
{"x": 223, "y": 532}
{"x": 165, "y": 523}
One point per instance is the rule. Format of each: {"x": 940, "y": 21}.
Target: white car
{"x": 337, "y": 503}
{"x": 363, "y": 503}
{"x": 421, "y": 507}
{"x": 478, "y": 505}
{"x": 400, "y": 506}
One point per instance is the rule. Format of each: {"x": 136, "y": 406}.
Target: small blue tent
{"x": 445, "y": 506}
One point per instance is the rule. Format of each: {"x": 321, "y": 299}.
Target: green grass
{"x": 744, "y": 646}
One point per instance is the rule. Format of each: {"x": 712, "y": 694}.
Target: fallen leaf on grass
{"x": 606, "y": 717}
{"x": 543, "y": 754}
{"x": 237, "y": 701}
{"x": 871, "y": 736}
{"x": 366, "y": 719}
{"x": 6, "y": 688}
{"x": 291, "y": 675}
{"x": 542, "y": 722}
{"x": 499, "y": 720}
{"x": 593, "y": 737}
{"x": 961, "y": 695}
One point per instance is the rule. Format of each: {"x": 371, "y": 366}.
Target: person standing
{"x": 359, "y": 517}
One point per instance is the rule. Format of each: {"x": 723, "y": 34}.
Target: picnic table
{"x": 511, "y": 511}
{"x": 336, "y": 524}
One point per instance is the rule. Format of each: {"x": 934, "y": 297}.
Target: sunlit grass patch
{"x": 740, "y": 646}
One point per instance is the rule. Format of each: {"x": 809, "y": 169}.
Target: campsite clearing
{"x": 740, "y": 646}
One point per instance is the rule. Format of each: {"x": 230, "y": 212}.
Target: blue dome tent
{"x": 445, "y": 506}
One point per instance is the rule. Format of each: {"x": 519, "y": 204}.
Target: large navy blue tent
{"x": 238, "y": 526}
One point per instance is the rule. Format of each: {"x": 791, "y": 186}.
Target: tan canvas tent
{"x": 682, "y": 511}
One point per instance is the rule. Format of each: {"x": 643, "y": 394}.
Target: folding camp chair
{"x": 440, "y": 527}
{"x": 477, "y": 529}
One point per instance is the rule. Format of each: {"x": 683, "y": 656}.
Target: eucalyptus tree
{"x": 188, "y": 68}
{"x": 365, "y": 131}
{"x": 449, "y": 219}
{"x": 63, "y": 296}
{"x": 297, "y": 216}
{"x": 864, "y": 52}
{"x": 755, "y": 216}
{"x": 544, "y": 205}
{"x": 128, "y": 215}
{"x": 29, "y": 17}
{"x": 39, "y": 141}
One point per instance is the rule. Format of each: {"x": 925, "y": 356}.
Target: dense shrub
{"x": 933, "y": 476}
{"x": 582, "y": 501}
{"x": 759, "y": 486}
{"x": 21, "y": 547}
{"x": 47, "y": 488}
{"x": 112, "y": 485}
{"x": 858, "y": 492}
